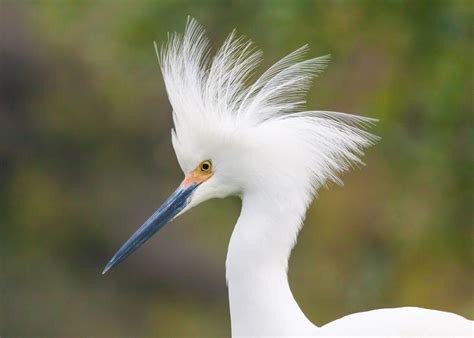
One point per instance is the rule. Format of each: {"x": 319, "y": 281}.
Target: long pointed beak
{"x": 170, "y": 209}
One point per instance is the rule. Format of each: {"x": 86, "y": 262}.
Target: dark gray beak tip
{"x": 175, "y": 203}
{"x": 107, "y": 268}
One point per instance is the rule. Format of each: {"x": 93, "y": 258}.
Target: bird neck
{"x": 260, "y": 299}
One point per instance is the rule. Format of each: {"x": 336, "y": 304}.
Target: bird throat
{"x": 260, "y": 299}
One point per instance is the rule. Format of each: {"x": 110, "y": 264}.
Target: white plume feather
{"x": 212, "y": 96}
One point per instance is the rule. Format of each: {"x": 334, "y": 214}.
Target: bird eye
{"x": 205, "y": 166}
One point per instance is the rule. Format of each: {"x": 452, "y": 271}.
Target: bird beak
{"x": 169, "y": 210}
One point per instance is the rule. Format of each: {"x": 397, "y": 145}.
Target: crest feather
{"x": 216, "y": 93}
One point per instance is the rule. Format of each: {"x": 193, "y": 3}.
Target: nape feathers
{"x": 215, "y": 104}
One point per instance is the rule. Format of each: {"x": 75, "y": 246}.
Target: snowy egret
{"x": 257, "y": 142}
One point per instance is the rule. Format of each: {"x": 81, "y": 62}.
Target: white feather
{"x": 213, "y": 97}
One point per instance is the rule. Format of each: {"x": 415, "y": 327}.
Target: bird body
{"x": 257, "y": 142}
{"x": 400, "y": 322}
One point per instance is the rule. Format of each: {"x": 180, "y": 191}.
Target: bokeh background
{"x": 86, "y": 157}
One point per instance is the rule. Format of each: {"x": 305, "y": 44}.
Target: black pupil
{"x": 205, "y": 166}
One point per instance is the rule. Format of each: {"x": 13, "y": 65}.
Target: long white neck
{"x": 261, "y": 302}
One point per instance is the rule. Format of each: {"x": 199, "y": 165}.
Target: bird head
{"x": 235, "y": 136}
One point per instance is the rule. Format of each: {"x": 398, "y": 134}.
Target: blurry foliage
{"x": 85, "y": 156}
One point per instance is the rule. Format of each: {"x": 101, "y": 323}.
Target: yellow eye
{"x": 205, "y": 166}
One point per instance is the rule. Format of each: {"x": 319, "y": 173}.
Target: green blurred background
{"x": 86, "y": 157}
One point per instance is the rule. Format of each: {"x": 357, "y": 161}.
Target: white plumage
{"x": 216, "y": 111}
{"x": 266, "y": 149}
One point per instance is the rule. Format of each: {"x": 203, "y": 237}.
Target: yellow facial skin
{"x": 202, "y": 173}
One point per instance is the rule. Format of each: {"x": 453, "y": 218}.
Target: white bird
{"x": 255, "y": 141}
